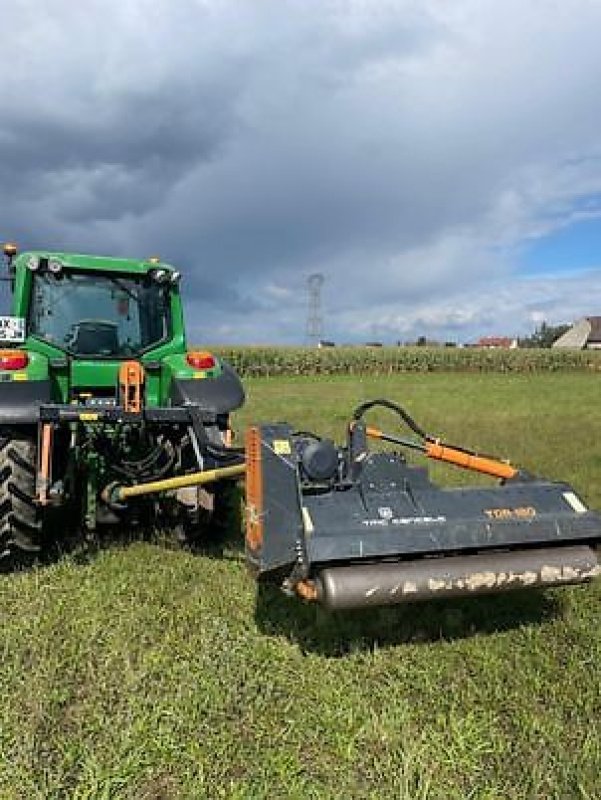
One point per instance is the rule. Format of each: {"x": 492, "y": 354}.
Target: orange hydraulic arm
{"x": 462, "y": 458}
{"x": 451, "y": 455}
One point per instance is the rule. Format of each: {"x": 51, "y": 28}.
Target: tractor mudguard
{"x": 221, "y": 394}
{"x": 20, "y": 401}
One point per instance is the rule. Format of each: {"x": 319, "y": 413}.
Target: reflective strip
{"x": 575, "y": 502}
{"x": 307, "y": 521}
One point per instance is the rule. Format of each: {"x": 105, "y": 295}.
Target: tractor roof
{"x": 81, "y": 261}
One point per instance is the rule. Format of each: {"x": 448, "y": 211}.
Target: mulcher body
{"x": 98, "y": 388}
{"x": 351, "y": 528}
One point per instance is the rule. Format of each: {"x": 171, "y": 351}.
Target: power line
{"x": 314, "y": 312}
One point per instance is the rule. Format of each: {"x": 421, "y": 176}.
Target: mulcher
{"x": 350, "y": 528}
{"x": 103, "y": 405}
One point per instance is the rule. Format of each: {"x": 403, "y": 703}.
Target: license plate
{"x": 12, "y": 329}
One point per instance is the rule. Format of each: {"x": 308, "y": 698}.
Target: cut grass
{"x": 147, "y": 672}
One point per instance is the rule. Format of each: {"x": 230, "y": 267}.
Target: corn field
{"x": 256, "y": 361}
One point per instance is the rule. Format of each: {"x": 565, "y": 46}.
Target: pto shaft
{"x": 118, "y": 494}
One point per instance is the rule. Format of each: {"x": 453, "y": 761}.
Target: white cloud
{"x": 408, "y": 150}
{"x": 278, "y": 292}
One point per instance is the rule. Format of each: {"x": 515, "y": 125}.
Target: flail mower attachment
{"x": 350, "y": 528}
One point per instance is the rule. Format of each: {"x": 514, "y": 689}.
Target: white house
{"x": 584, "y": 334}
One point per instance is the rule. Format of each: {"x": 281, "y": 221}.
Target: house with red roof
{"x": 497, "y": 341}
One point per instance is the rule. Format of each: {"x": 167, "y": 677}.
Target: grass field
{"x": 144, "y": 671}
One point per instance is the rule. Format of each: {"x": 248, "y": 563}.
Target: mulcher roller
{"x": 351, "y": 528}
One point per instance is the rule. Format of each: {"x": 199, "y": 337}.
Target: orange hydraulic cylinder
{"x": 488, "y": 466}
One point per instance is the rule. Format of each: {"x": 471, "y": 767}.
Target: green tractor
{"x": 103, "y": 405}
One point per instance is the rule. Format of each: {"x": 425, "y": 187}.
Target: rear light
{"x": 13, "y": 359}
{"x": 9, "y": 249}
{"x": 200, "y": 360}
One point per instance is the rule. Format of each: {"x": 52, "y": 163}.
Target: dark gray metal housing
{"x": 377, "y": 522}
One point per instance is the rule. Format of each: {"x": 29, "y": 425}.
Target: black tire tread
{"x": 20, "y": 519}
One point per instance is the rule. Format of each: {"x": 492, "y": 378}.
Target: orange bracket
{"x": 307, "y": 589}
{"x": 131, "y": 382}
{"x": 44, "y": 477}
{"x": 254, "y": 490}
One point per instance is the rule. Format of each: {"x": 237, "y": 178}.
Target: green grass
{"x": 143, "y": 671}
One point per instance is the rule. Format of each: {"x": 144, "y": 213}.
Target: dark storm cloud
{"x": 121, "y": 157}
{"x": 134, "y": 132}
{"x": 405, "y": 149}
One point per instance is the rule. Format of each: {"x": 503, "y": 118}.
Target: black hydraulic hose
{"x": 226, "y": 455}
{"x": 306, "y": 434}
{"x": 148, "y": 461}
{"x": 361, "y": 410}
{"x": 135, "y": 472}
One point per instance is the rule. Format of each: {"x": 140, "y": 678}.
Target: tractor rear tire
{"x": 20, "y": 519}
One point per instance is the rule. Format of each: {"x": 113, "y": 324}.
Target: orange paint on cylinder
{"x": 487, "y": 466}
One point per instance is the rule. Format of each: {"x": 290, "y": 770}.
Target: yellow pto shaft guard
{"x": 119, "y": 494}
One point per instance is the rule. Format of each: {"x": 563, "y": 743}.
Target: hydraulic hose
{"x": 361, "y": 410}
{"x": 434, "y": 448}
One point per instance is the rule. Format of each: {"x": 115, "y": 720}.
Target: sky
{"x": 439, "y": 163}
